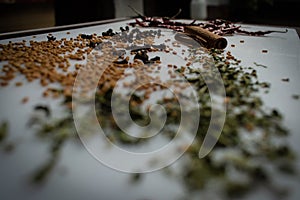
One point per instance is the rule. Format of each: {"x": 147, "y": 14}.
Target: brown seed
{"x": 25, "y": 100}
{"x": 44, "y": 82}
{"x": 19, "y": 84}
{"x": 188, "y": 64}
{"x": 45, "y": 93}
{"x": 264, "y": 51}
{"x": 4, "y": 84}
{"x": 61, "y": 65}
{"x": 285, "y": 79}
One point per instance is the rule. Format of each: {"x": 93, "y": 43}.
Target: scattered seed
{"x": 3, "y": 131}
{"x": 43, "y": 108}
{"x": 296, "y": 96}
{"x": 285, "y": 79}
{"x": 260, "y": 65}
{"x": 25, "y": 100}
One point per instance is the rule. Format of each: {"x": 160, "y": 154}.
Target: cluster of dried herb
{"x": 246, "y": 147}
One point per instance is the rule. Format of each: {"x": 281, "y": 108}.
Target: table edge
{"x": 16, "y": 34}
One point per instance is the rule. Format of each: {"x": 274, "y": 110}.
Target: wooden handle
{"x": 205, "y": 37}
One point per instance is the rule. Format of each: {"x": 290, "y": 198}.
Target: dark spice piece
{"x": 43, "y": 108}
{"x": 84, "y": 36}
{"x": 296, "y": 96}
{"x": 51, "y": 38}
{"x": 109, "y": 32}
{"x": 260, "y": 65}
{"x": 124, "y": 29}
{"x": 136, "y": 177}
{"x": 93, "y": 44}
{"x": 3, "y": 131}
{"x": 142, "y": 55}
{"x": 156, "y": 58}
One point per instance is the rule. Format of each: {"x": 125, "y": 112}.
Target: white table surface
{"x": 79, "y": 176}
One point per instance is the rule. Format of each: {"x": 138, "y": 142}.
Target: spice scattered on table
{"x": 296, "y": 96}
{"x": 43, "y": 108}
{"x": 260, "y": 65}
{"x": 25, "y": 100}
{"x": 217, "y": 26}
{"x": 3, "y": 131}
{"x": 51, "y": 38}
{"x": 285, "y": 80}
{"x": 247, "y": 134}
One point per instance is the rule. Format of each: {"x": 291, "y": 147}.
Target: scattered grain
{"x": 25, "y": 100}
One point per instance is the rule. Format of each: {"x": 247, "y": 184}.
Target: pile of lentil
{"x": 50, "y": 62}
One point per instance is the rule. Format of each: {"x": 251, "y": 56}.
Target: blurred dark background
{"x": 18, "y": 15}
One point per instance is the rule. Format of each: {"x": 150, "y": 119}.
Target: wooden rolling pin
{"x": 205, "y": 37}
